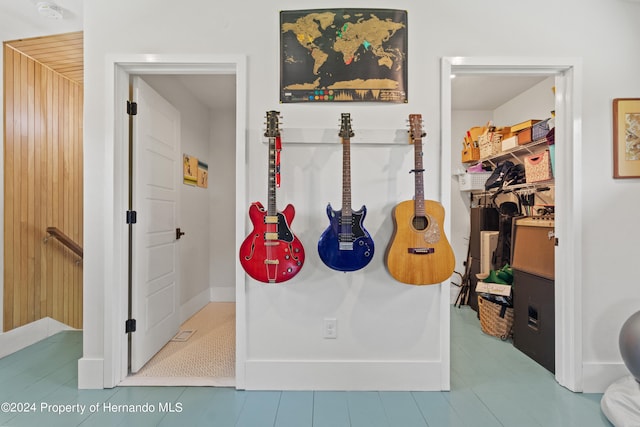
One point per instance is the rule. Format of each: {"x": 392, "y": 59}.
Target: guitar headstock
{"x": 345, "y": 126}
{"x": 415, "y": 127}
{"x": 273, "y": 127}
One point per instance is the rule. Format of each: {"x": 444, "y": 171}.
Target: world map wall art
{"x": 343, "y": 55}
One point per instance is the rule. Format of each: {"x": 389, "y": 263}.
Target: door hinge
{"x": 557, "y": 242}
{"x": 132, "y": 108}
{"x": 132, "y": 217}
{"x": 130, "y": 326}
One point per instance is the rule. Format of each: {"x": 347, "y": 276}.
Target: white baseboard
{"x": 362, "y": 375}
{"x": 90, "y": 373}
{"x": 596, "y": 377}
{"x": 223, "y": 294}
{"x": 194, "y": 305}
{"x": 24, "y": 336}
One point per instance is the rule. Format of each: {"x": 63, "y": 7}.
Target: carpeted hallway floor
{"x": 207, "y": 357}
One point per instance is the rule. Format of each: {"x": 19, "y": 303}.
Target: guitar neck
{"x": 273, "y": 133}
{"x": 419, "y": 173}
{"x": 346, "y": 177}
{"x": 416, "y": 132}
{"x": 272, "y": 209}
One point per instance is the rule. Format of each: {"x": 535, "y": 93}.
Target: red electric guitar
{"x": 272, "y": 253}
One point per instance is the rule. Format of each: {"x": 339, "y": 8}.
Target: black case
{"x": 482, "y": 219}
{"x": 534, "y": 317}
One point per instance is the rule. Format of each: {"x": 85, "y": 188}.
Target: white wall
{"x": 222, "y": 199}
{"x": 380, "y": 323}
{"x": 534, "y": 103}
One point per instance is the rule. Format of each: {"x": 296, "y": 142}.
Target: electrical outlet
{"x": 330, "y": 328}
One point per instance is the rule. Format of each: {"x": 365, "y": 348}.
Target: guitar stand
{"x": 465, "y": 284}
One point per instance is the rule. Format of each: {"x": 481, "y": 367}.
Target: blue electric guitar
{"x": 345, "y": 245}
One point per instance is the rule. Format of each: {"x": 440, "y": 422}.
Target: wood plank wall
{"x": 42, "y": 187}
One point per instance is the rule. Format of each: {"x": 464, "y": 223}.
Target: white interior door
{"x": 156, "y": 179}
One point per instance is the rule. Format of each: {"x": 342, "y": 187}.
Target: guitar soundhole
{"x": 420, "y": 223}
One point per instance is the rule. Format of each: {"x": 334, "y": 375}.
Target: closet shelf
{"x": 516, "y": 153}
{"x": 517, "y": 188}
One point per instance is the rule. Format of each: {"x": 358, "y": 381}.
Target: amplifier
{"x": 533, "y": 247}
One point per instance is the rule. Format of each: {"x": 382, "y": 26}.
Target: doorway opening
{"x": 568, "y": 220}
{"x": 182, "y": 265}
{"x": 123, "y": 70}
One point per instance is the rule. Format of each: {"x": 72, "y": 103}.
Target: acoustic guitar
{"x": 419, "y": 252}
{"x": 346, "y": 245}
{"x": 271, "y": 253}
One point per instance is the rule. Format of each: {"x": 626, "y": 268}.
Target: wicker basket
{"x": 490, "y": 320}
{"x": 490, "y": 144}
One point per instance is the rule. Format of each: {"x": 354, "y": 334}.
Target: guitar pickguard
{"x": 432, "y": 233}
{"x": 284, "y": 232}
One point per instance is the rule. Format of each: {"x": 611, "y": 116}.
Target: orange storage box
{"x": 524, "y": 136}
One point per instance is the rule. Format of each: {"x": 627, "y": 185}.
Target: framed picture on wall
{"x": 190, "y": 169}
{"x": 626, "y": 138}
{"x": 203, "y": 174}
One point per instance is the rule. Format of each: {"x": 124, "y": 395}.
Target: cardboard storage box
{"x": 533, "y": 248}
{"x": 524, "y": 136}
{"x": 493, "y": 288}
{"x": 523, "y": 125}
{"x": 470, "y": 154}
{"x": 509, "y": 143}
{"x": 474, "y": 133}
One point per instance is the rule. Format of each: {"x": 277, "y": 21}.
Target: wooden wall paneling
{"x": 40, "y": 172}
{"x": 79, "y": 182}
{"x": 31, "y": 189}
{"x": 22, "y": 318}
{"x": 66, "y": 147}
{"x": 43, "y": 187}
{"x": 55, "y": 219}
{"x": 9, "y": 135}
{"x": 50, "y": 186}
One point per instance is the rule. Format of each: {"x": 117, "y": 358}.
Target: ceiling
{"x": 20, "y": 19}
{"x": 63, "y": 53}
{"x": 215, "y": 91}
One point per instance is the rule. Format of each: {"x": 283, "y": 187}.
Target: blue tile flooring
{"x": 492, "y": 384}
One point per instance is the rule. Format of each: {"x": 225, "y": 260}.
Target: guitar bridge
{"x": 345, "y": 246}
{"x": 421, "y": 251}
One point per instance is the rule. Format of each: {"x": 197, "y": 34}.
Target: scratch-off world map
{"x": 330, "y": 55}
